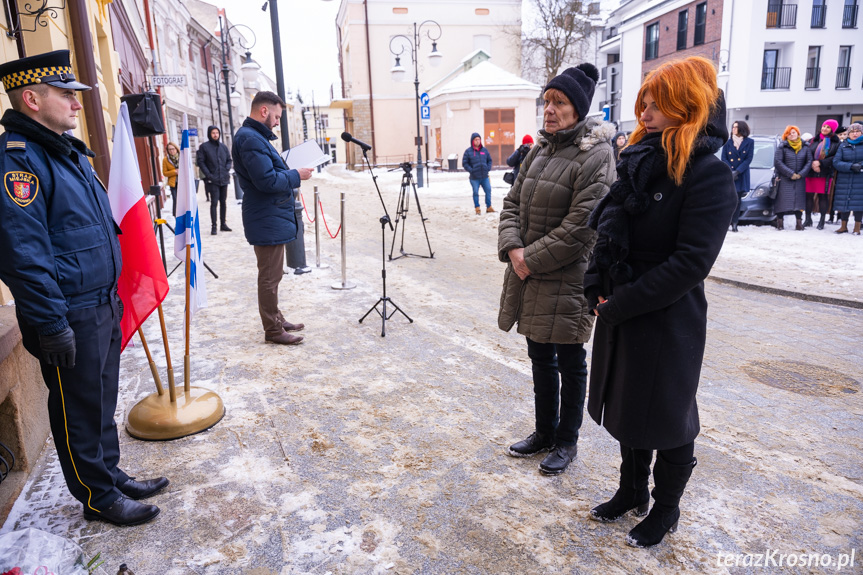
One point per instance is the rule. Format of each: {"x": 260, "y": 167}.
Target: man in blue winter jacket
{"x": 477, "y": 161}
{"x": 269, "y": 219}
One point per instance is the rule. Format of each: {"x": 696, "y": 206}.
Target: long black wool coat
{"x": 649, "y": 340}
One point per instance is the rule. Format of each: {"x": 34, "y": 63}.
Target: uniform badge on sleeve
{"x": 22, "y": 187}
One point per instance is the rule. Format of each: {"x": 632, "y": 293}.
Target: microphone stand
{"x": 385, "y": 220}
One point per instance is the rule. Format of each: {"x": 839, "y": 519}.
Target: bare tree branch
{"x": 558, "y": 29}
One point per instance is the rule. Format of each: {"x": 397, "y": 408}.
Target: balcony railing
{"x": 781, "y": 15}
{"x": 776, "y": 78}
{"x": 843, "y": 77}
{"x": 813, "y": 78}
{"x": 819, "y": 16}
{"x": 849, "y": 16}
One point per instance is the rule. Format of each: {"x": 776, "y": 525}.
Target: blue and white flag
{"x": 187, "y": 229}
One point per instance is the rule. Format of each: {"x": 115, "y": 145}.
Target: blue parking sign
{"x": 425, "y": 113}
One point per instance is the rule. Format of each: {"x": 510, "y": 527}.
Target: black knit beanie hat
{"x": 578, "y": 84}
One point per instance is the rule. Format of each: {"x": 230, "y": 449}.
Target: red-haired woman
{"x": 660, "y": 229}
{"x": 792, "y": 162}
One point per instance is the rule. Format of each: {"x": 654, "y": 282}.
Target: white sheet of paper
{"x": 305, "y": 155}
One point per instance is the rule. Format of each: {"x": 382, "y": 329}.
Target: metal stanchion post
{"x": 318, "y": 234}
{"x": 345, "y": 284}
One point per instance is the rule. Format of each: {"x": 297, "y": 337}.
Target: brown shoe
{"x": 284, "y": 339}
{"x": 478, "y": 212}
{"x": 489, "y": 210}
{"x": 293, "y": 326}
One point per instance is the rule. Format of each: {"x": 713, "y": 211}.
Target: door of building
{"x": 499, "y": 132}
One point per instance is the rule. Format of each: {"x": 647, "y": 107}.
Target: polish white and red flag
{"x": 143, "y": 283}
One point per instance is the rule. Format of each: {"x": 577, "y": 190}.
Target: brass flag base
{"x": 157, "y": 418}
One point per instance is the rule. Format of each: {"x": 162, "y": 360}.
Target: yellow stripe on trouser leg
{"x": 66, "y": 427}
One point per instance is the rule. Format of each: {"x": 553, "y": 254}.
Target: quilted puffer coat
{"x": 546, "y": 213}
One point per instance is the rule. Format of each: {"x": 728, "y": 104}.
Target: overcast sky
{"x": 309, "y": 48}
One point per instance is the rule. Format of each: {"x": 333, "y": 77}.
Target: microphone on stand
{"x": 348, "y": 138}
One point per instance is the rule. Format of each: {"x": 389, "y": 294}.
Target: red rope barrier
{"x": 311, "y": 221}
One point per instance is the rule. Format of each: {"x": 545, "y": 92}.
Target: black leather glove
{"x": 524, "y": 149}
{"x": 856, "y": 168}
{"x": 59, "y": 349}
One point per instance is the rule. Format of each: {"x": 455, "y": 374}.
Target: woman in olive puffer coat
{"x": 544, "y": 238}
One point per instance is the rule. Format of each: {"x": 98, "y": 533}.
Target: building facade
{"x": 779, "y": 62}
{"x": 381, "y": 110}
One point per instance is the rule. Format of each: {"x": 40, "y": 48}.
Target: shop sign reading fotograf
{"x": 178, "y": 80}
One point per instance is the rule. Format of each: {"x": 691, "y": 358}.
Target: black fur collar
{"x": 60, "y": 144}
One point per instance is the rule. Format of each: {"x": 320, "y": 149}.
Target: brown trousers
{"x": 271, "y": 261}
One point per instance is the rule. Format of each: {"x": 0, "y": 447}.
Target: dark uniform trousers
{"x": 82, "y": 402}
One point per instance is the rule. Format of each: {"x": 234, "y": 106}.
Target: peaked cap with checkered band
{"x": 52, "y": 68}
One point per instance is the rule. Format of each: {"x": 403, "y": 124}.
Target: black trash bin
{"x": 453, "y": 162}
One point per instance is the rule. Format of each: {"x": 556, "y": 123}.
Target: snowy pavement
{"x": 354, "y": 453}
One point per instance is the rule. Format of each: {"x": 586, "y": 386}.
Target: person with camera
{"x": 269, "y": 219}
{"x": 517, "y": 157}
{"x": 62, "y": 261}
{"x": 545, "y": 241}
{"x": 477, "y": 161}
{"x": 848, "y": 164}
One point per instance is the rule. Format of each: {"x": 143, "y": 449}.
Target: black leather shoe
{"x": 558, "y": 460}
{"x": 124, "y": 512}
{"x": 225, "y": 228}
{"x": 143, "y": 489}
{"x": 535, "y": 443}
{"x": 214, "y": 231}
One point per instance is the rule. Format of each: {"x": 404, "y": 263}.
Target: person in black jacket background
{"x": 269, "y": 219}
{"x": 477, "y": 161}
{"x": 517, "y": 157}
{"x": 214, "y": 161}
{"x": 61, "y": 261}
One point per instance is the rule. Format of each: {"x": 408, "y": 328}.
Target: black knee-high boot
{"x": 670, "y": 482}
{"x": 821, "y": 221}
{"x": 633, "y": 492}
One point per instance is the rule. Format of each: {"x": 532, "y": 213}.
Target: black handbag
{"x": 774, "y": 187}
{"x": 509, "y": 178}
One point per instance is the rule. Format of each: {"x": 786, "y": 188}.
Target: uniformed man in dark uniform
{"x": 61, "y": 260}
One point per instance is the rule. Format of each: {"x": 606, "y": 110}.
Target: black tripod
{"x": 402, "y": 213}
{"x": 382, "y": 301}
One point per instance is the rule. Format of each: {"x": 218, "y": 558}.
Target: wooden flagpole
{"x": 153, "y": 367}
{"x": 172, "y": 391}
{"x": 186, "y": 372}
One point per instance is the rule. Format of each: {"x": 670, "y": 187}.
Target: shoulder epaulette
{"x": 15, "y": 142}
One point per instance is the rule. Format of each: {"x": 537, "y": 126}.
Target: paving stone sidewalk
{"x": 354, "y": 453}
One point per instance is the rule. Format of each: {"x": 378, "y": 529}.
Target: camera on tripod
{"x": 406, "y": 166}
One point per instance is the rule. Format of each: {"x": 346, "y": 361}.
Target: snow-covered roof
{"x": 485, "y": 77}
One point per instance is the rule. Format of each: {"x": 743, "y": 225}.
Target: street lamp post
{"x": 398, "y": 73}
{"x": 225, "y": 46}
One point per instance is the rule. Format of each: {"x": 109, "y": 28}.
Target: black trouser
{"x": 218, "y": 194}
{"x": 858, "y": 216}
{"x": 82, "y": 402}
{"x": 174, "y": 196}
{"x": 736, "y": 216}
{"x": 559, "y": 387}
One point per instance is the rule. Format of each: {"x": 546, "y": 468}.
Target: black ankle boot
{"x": 533, "y": 444}
{"x": 633, "y": 492}
{"x": 670, "y": 484}
{"x": 807, "y": 223}
{"x": 821, "y": 222}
